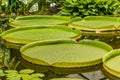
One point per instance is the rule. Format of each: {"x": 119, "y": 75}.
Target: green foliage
{"x": 26, "y": 71}
{"x": 26, "y": 74}
{"x": 42, "y": 2}
{"x": 20, "y": 8}
{"x": 90, "y": 7}
{"x": 15, "y": 7}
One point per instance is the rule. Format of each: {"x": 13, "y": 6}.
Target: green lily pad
{"x": 65, "y": 53}
{"x": 96, "y": 23}
{"x": 38, "y": 20}
{"x": 112, "y": 62}
{"x": 29, "y": 34}
{"x": 11, "y": 71}
{"x": 26, "y": 71}
{"x": 35, "y": 75}
{"x": 2, "y": 73}
{"x": 26, "y": 77}
{"x": 29, "y": 77}
{"x": 66, "y": 79}
{"x": 14, "y": 78}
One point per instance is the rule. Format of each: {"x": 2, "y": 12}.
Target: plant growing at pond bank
{"x": 26, "y": 74}
{"x": 20, "y": 8}
{"x": 90, "y": 7}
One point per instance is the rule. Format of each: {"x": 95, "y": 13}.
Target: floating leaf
{"x": 14, "y": 78}
{"x": 96, "y": 23}
{"x": 25, "y": 35}
{"x": 22, "y": 21}
{"x": 9, "y": 75}
{"x": 2, "y": 73}
{"x": 26, "y": 71}
{"x": 59, "y": 53}
{"x": 38, "y": 75}
{"x": 111, "y": 62}
{"x": 11, "y": 71}
{"x": 36, "y": 79}
{"x": 66, "y": 79}
{"x": 26, "y": 77}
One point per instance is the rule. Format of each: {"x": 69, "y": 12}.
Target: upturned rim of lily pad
{"x": 90, "y": 43}
{"x": 64, "y": 20}
{"x": 21, "y": 40}
{"x": 108, "y": 60}
{"x": 88, "y": 23}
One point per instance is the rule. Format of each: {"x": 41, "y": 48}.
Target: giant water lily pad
{"x": 112, "y": 62}
{"x": 67, "y": 54}
{"x": 25, "y": 35}
{"x": 38, "y": 20}
{"x": 96, "y": 23}
{"x": 66, "y": 79}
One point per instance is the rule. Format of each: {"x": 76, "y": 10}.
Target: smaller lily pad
{"x": 26, "y": 77}
{"x": 10, "y": 71}
{"x": 38, "y": 75}
{"x": 26, "y": 71}
{"x": 66, "y": 79}
{"x": 111, "y": 62}
{"x": 13, "y": 78}
{"x": 96, "y": 23}
{"x": 2, "y": 73}
{"x": 10, "y": 75}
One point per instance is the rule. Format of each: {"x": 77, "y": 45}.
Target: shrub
{"x": 90, "y": 7}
